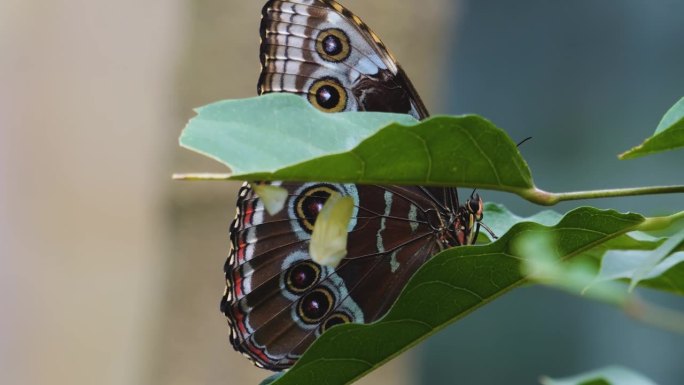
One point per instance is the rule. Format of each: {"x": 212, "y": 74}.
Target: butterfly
{"x": 277, "y": 299}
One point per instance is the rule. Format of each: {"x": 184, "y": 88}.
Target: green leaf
{"x": 661, "y": 268}
{"x": 674, "y": 115}
{"x": 448, "y": 287}
{"x": 668, "y": 136}
{"x": 271, "y": 379}
{"x": 668, "y": 275}
{"x": 265, "y": 133}
{"x": 637, "y": 257}
{"x": 500, "y": 219}
{"x": 282, "y": 137}
{"x": 655, "y": 259}
{"x": 613, "y": 375}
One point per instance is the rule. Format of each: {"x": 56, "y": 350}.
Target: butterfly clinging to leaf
{"x": 277, "y": 299}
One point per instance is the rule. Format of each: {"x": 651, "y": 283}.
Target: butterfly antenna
{"x": 523, "y": 141}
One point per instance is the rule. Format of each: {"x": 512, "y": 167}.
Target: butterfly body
{"x": 277, "y": 300}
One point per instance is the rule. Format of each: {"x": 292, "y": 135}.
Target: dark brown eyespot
{"x": 328, "y": 95}
{"x": 313, "y": 307}
{"x": 337, "y": 318}
{"x": 302, "y": 276}
{"x": 333, "y": 45}
{"x": 310, "y": 202}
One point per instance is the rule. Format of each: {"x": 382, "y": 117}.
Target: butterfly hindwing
{"x": 279, "y": 300}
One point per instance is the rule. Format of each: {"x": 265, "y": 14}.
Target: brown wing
{"x": 278, "y": 300}
{"x": 322, "y": 51}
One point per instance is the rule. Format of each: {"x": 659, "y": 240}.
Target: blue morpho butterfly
{"x": 277, "y": 300}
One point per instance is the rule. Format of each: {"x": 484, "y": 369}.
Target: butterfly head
{"x": 469, "y": 220}
{"x": 475, "y": 208}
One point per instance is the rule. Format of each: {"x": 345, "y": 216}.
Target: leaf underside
{"x": 282, "y": 137}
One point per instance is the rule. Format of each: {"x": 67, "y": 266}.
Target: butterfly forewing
{"x": 321, "y": 50}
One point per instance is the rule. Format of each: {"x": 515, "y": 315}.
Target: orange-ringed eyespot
{"x": 333, "y": 45}
{"x": 328, "y": 95}
{"x": 315, "y": 305}
{"x": 302, "y": 276}
{"x": 337, "y": 318}
{"x": 309, "y": 204}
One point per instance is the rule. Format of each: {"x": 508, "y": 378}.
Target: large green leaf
{"x": 668, "y": 136}
{"x": 448, "y": 287}
{"x": 612, "y": 375}
{"x": 282, "y": 137}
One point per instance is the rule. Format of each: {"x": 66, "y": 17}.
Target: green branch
{"x": 544, "y": 198}
{"x": 533, "y": 195}
{"x": 205, "y": 177}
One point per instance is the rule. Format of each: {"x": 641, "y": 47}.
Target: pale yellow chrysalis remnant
{"x": 329, "y": 238}
{"x": 273, "y": 197}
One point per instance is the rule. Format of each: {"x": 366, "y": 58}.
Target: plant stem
{"x": 544, "y": 198}
{"x": 660, "y": 223}
{"x": 533, "y": 195}
{"x": 202, "y": 177}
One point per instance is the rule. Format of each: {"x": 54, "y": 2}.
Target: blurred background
{"x": 110, "y": 273}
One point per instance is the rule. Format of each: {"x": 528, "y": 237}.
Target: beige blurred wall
{"x": 88, "y": 125}
{"x": 109, "y": 272}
